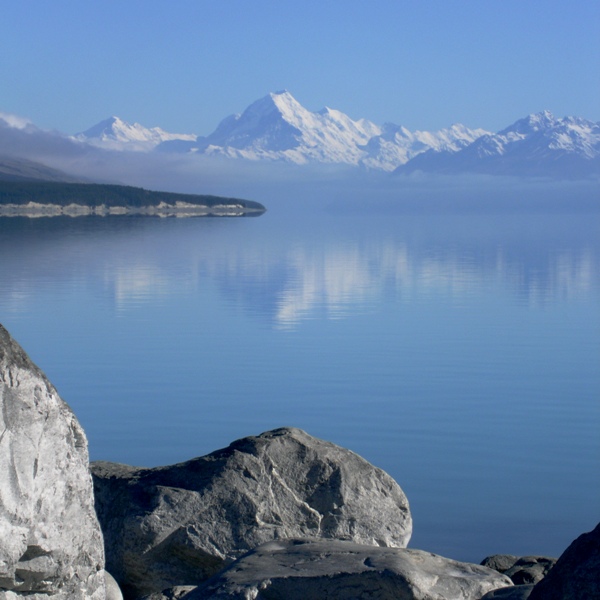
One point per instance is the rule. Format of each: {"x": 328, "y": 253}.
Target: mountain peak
{"x": 542, "y": 119}
{"x": 539, "y": 144}
{"x": 282, "y": 102}
{"x": 117, "y": 134}
{"x": 531, "y": 123}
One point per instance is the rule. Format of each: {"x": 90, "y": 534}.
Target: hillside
{"x": 20, "y": 169}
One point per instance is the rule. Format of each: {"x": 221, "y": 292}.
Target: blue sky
{"x": 185, "y": 65}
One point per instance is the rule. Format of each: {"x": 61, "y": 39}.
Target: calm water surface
{"x": 459, "y": 350}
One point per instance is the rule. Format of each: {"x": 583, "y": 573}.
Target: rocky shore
{"x": 281, "y": 515}
{"x": 34, "y": 198}
{"x": 164, "y": 209}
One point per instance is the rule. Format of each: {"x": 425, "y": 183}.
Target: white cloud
{"x": 14, "y": 120}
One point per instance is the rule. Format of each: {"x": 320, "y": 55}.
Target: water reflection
{"x": 444, "y": 348}
{"x": 289, "y": 279}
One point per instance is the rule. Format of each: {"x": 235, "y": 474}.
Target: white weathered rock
{"x": 113, "y": 591}
{"x": 179, "y": 525}
{"x": 50, "y": 540}
{"x": 316, "y": 569}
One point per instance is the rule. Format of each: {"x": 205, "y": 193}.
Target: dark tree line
{"x": 93, "y": 194}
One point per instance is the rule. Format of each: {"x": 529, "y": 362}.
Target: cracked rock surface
{"x": 301, "y": 569}
{"x": 50, "y": 540}
{"x": 179, "y": 525}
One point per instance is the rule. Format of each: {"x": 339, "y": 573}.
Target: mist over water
{"x": 447, "y": 330}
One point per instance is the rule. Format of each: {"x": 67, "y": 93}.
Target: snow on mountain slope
{"x": 116, "y": 134}
{"x": 397, "y": 145}
{"x": 539, "y": 144}
{"x": 278, "y": 127}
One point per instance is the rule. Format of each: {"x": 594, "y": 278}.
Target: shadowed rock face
{"x": 516, "y": 592}
{"x": 522, "y": 571}
{"x": 302, "y": 569}
{"x": 179, "y": 525}
{"x": 576, "y": 574}
{"x": 50, "y": 539}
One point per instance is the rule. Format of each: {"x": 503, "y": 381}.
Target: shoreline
{"x": 164, "y": 209}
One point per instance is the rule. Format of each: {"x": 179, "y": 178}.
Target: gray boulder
{"x": 515, "y": 592}
{"x": 180, "y": 524}
{"x": 337, "y": 570}
{"x": 178, "y": 592}
{"x": 576, "y": 574}
{"x": 50, "y": 539}
{"x": 523, "y": 570}
{"x": 113, "y": 591}
{"x": 500, "y": 562}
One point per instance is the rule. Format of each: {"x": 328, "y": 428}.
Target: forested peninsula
{"x": 52, "y": 198}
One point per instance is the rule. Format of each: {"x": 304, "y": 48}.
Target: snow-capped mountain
{"x": 539, "y": 144}
{"x": 396, "y": 145}
{"x": 278, "y": 127}
{"x": 116, "y": 134}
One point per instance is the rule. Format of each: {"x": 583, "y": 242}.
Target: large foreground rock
{"x": 50, "y": 541}
{"x": 336, "y": 570}
{"x": 576, "y": 574}
{"x": 179, "y": 525}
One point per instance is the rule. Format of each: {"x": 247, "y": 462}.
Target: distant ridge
{"x": 115, "y": 134}
{"x": 20, "y": 169}
{"x": 537, "y": 145}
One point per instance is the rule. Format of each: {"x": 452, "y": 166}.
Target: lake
{"x": 454, "y": 345}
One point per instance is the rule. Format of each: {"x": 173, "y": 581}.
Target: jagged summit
{"x": 533, "y": 122}
{"x": 538, "y": 144}
{"x": 113, "y": 126}
{"x": 116, "y": 134}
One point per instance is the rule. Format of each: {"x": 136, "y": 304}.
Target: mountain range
{"x": 278, "y": 128}
{"x": 539, "y": 144}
